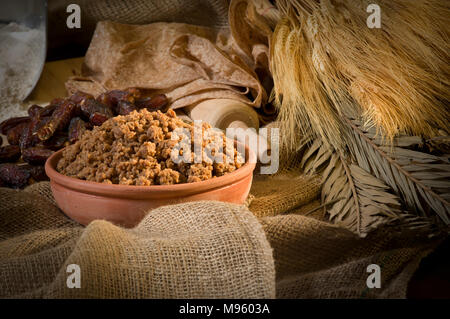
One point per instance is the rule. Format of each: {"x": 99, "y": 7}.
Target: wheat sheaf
{"x": 371, "y": 105}
{"x": 324, "y": 58}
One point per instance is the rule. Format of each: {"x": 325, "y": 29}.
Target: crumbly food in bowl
{"x": 138, "y": 148}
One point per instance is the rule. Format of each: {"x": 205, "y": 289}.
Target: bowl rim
{"x": 118, "y": 190}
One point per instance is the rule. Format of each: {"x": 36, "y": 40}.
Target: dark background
{"x": 66, "y": 43}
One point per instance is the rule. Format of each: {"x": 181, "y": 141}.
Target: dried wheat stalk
{"x": 324, "y": 58}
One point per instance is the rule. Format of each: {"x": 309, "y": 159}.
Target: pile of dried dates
{"x": 33, "y": 138}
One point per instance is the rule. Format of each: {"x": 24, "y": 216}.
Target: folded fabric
{"x": 188, "y": 63}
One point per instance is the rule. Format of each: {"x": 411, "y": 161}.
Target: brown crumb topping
{"x": 136, "y": 149}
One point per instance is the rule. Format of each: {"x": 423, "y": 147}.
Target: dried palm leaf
{"x": 324, "y": 57}
{"x": 422, "y": 180}
{"x": 362, "y": 202}
{"x": 373, "y": 184}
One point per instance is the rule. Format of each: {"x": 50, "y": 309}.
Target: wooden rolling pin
{"x": 225, "y": 113}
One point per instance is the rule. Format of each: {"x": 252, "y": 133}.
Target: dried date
{"x": 79, "y": 96}
{"x": 9, "y": 153}
{"x": 36, "y": 155}
{"x": 15, "y": 133}
{"x": 98, "y": 119}
{"x": 96, "y": 112}
{"x": 112, "y": 98}
{"x": 28, "y": 138}
{"x": 42, "y": 121}
{"x": 13, "y": 175}
{"x": 56, "y": 142}
{"x": 50, "y": 108}
{"x": 37, "y": 173}
{"x": 125, "y": 107}
{"x": 58, "y": 121}
{"x": 8, "y": 124}
{"x": 34, "y": 110}
{"x": 76, "y": 128}
{"x": 155, "y": 103}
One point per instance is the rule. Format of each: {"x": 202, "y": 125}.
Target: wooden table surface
{"x": 53, "y": 77}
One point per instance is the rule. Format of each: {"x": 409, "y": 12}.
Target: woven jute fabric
{"x": 315, "y": 259}
{"x": 193, "y": 250}
{"x": 281, "y": 193}
{"x": 201, "y": 250}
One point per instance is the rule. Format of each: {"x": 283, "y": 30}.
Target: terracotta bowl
{"x": 126, "y": 205}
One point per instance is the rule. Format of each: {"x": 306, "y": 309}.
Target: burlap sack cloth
{"x": 266, "y": 249}
{"x": 201, "y": 249}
